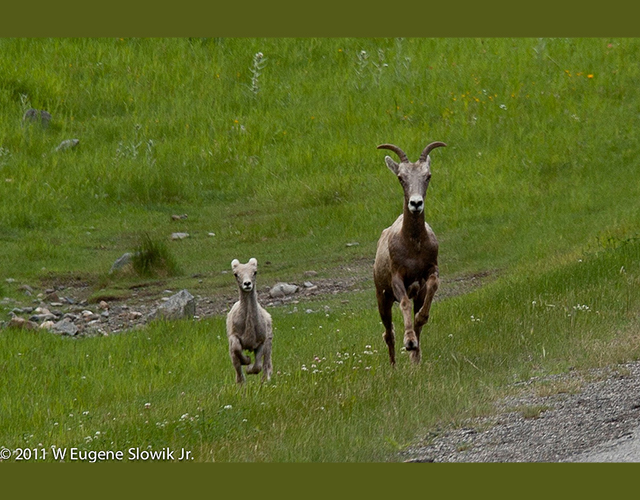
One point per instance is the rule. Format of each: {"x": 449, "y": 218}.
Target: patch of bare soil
{"x": 74, "y": 297}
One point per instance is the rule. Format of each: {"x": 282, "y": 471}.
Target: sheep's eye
{"x": 255, "y": 272}
{"x": 235, "y": 274}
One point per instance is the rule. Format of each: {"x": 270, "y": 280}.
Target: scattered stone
{"x": 27, "y": 289}
{"x": 353, "y": 244}
{"x": 179, "y": 236}
{"x": 280, "y": 290}
{"x": 134, "y": 315}
{"x": 180, "y": 305}
{"x": 121, "y": 262}
{"x": 10, "y": 280}
{"x": 42, "y": 317}
{"x": 103, "y": 305}
{"x": 37, "y": 116}
{"x": 211, "y": 234}
{"x": 47, "y": 325}
{"x": 88, "y": 316}
{"x": 310, "y": 273}
{"x": 67, "y": 144}
{"x": 56, "y": 304}
{"x": 308, "y": 284}
{"x": 179, "y": 217}
{"x": 23, "y": 324}
{"x": 65, "y": 327}
{"x": 105, "y": 314}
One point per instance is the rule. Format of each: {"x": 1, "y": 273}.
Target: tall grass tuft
{"x": 152, "y": 258}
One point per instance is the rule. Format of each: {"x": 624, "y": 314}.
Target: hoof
{"x": 411, "y": 345}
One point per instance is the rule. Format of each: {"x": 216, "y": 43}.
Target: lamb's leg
{"x": 237, "y": 358}
{"x": 267, "y": 368}
{"x": 385, "y": 308}
{"x": 256, "y": 367}
{"x": 400, "y": 292}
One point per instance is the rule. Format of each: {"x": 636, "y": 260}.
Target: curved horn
{"x": 427, "y": 150}
{"x": 401, "y": 154}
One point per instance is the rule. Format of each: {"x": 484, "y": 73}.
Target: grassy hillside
{"x": 277, "y": 156}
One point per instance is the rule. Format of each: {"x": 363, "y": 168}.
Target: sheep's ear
{"x": 235, "y": 263}
{"x": 253, "y": 262}
{"x": 393, "y": 166}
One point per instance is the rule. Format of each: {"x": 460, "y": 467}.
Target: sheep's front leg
{"x": 400, "y": 292}
{"x": 256, "y": 367}
{"x": 422, "y": 316}
{"x": 238, "y": 358}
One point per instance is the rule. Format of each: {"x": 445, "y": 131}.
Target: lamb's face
{"x": 245, "y": 274}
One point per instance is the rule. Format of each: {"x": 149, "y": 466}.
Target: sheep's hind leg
{"x": 385, "y": 308}
{"x": 267, "y": 368}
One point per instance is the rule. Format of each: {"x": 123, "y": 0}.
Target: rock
{"x": 179, "y": 236}
{"x": 211, "y": 234}
{"x": 37, "y": 116}
{"x": 308, "y": 284}
{"x": 134, "y": 315}
{"x": 27, "y": 289}
{"x": 65, "y": 327}
{"x": 38, "y": 318}
{"x": 67, "y": 144}
{"x": 103, "y": 305}
{"x": 23, "y": 324}
{"x": 179, "y": 217}
{"x": 310, "y": 274}
{"x": 280, "y": 290}
{"x": 180, "y": 305}
{"x": 353, "y": 244}
{"x": 47, "y": 325}
{"x": 121, "y": 262}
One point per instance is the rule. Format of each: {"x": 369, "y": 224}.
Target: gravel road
{"x": 575, "y": 417}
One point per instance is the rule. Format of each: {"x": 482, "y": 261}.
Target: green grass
{"x": 537, "y": 183}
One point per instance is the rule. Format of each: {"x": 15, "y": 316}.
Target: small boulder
{"x": 179, "y": 236}
{"x": 65, "y": 327}
{"x": 280, "y": 290}
{"x": 23, "y": 324}
{"x": 180, "y": 305}
{"x": 67, "y": 144}
{"x": 121, "y": 262}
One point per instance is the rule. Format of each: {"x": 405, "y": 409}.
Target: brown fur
{"x": 406, "y": 264}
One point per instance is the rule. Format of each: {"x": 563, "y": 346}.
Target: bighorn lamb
{"x": 406, "y": 264}
{"x": 249, "y": 326}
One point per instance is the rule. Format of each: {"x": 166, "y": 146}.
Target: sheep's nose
{"x": 247, "y": 284}
{"x": 415, "y": 203}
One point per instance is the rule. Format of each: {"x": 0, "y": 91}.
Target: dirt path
{"x": 576, "y": 417}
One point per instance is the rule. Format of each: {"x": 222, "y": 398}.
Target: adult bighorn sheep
{"x": 406, "y": 265}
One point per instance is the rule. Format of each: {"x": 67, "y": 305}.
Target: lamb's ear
{"x": 393, "y": 166}
{"x": 235, "y": 263}
{"x": 253, "y": 262}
